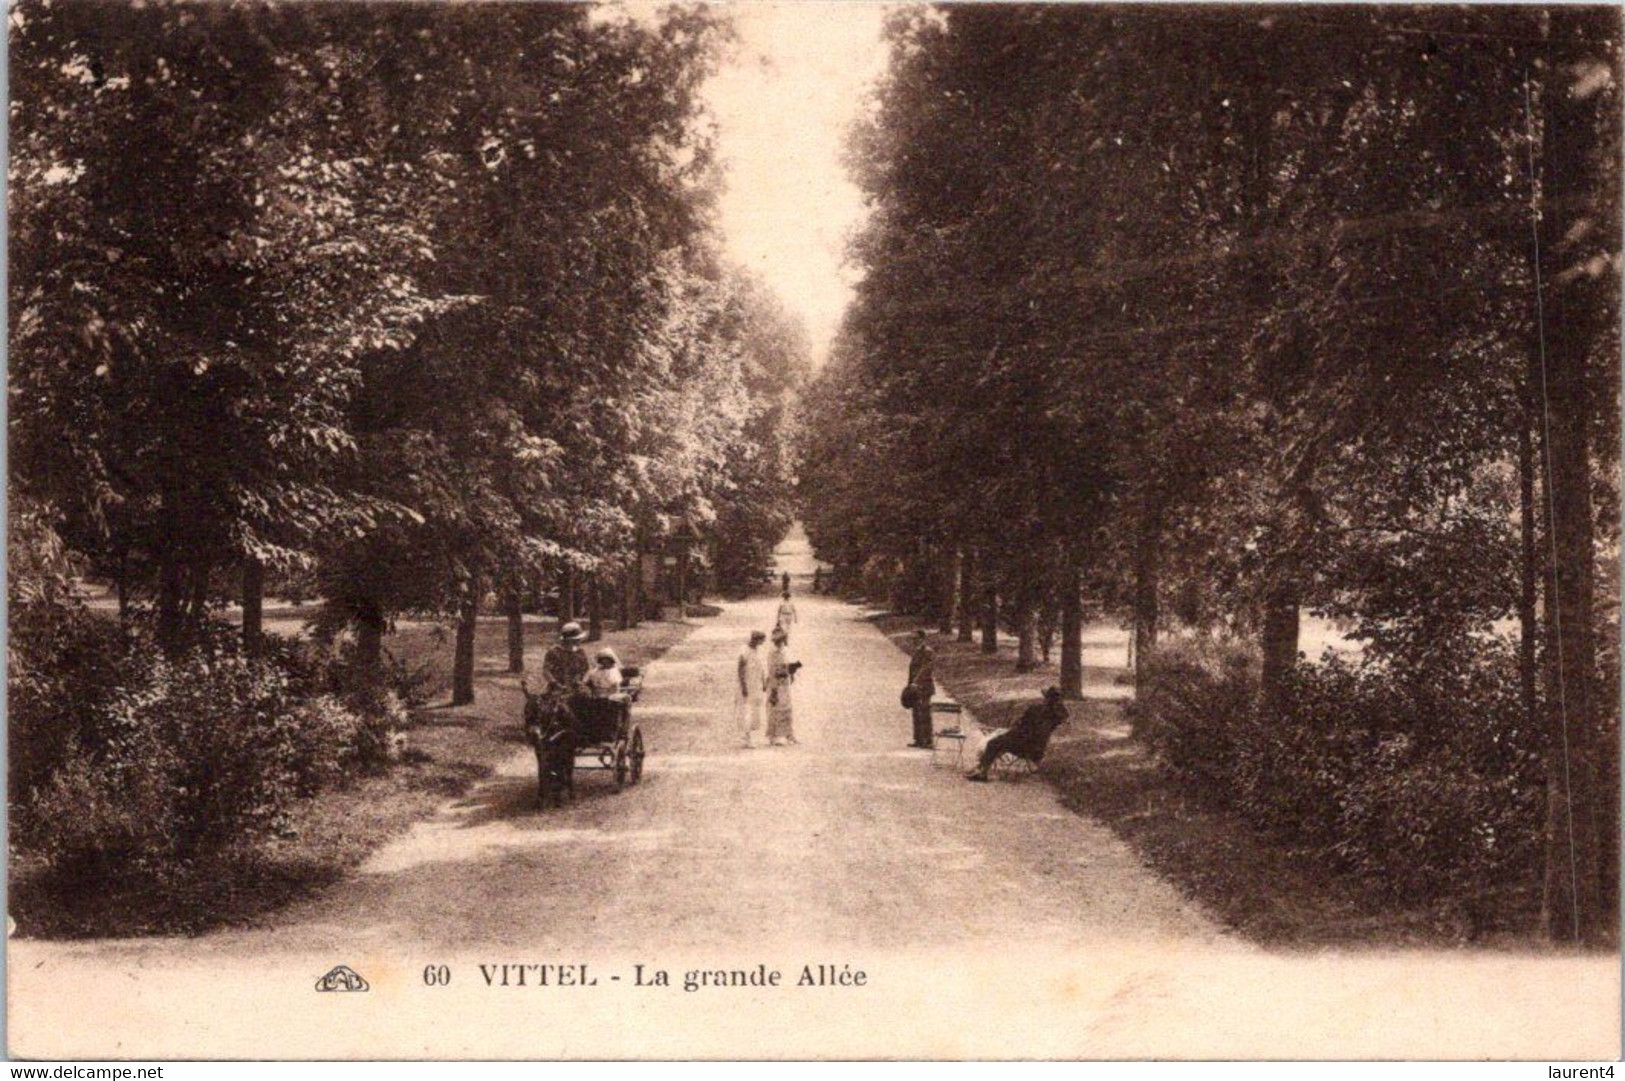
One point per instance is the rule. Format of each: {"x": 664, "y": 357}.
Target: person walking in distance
{"x": 750, "y": 692}
{"x": 787, "y": 614}
{"x": 920, "y": 679}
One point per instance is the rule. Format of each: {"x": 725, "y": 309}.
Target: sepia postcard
{"x": 815, "y": 530}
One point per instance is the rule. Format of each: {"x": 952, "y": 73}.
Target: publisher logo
{"x": 342, "y": 978}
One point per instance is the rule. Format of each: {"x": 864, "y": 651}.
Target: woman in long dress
{"x": 787, "y": 613}
{"x": 780, "y": 674}
{"x": 751, "y": 691}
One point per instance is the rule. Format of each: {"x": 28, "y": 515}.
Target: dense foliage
{"x": 1426, "y": 790}
{"x": 123, "y": 757}
{"x": 1215, "y": 317}
{"x": 400, "y": 306}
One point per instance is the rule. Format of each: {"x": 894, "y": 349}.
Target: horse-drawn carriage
{"x": 573, "y": 731}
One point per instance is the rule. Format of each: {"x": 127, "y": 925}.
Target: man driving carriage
{"x": 578, "y": 694}
{"x": 580, "y": 706}
{"x": 565, "y": 664}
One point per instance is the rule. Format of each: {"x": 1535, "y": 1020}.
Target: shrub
{"x": 66, "y": 668}
{"x": 383, "y": 714}
{"x": 122, "y": 757}
{"x": 1190, "y": 683}
{"x": 94, "y": 813}
{"x": 1426, "y": 784}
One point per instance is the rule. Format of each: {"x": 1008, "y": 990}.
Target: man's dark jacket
{"x": 1029, "y": 737}
{"x": 921, "y": 670}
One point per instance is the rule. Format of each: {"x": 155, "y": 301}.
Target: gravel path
{"x": 848, "y": 837}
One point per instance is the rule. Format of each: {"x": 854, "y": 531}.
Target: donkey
{"x": 550, "y": 728}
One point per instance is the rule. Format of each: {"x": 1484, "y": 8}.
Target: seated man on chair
{"x": 1028, "y": 738}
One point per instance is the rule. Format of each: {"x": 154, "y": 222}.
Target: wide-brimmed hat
{"x": 780, "y": 634}
{"x": 1053, "y": 694}
{"x": 571, "y": 632}
{"x": 757, "y": 636}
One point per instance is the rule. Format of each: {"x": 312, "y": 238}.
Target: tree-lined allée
{"x": 1210, "y": 318}
{"x": 419, "y": 310}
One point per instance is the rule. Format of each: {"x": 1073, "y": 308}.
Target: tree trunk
{"x": 595, "y": 609}
{"x": 169, "y": 603}
{"x": 369, "y": 639}
{"x": 1573, "y": 904}
{"x": 634, "y": 593}
{"x": 949, "y": 572}
{"x": 253, "y": 606}
{"x": 462, "y": 670}
{"x": 990, "y": 618}
{"x": 567, "y": 596}
{"x": 1258, "y": 279}
{"x": 197, "y": 605}
{"x": 1577, "y": 310}
{"x": 900, "y": 587}
{"x": 1026, "y": 634}
{"x": 1529, "y": 570}
{"x": 967, "y": 597}
{"x": 516, "y": 630}
{"x": 1072, "y": 633}
{"x": 122, "y": 582}
{"x": 682, "y": 586}
{"x": 1147, "y": 582}
{"x": 1279, "y": 644}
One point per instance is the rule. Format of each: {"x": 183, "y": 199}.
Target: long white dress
{"x": 749, "y": 701}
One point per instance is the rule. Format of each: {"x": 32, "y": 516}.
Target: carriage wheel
{"x": 637, "y": 755}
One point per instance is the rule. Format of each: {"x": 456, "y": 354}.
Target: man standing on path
{"x": 920, "y": 673}
{"x": 751, "y": 692}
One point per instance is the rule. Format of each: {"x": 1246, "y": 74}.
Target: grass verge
{"x": 1268, "y": 892}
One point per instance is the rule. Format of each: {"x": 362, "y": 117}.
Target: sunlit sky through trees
{"x": 799, "y": 75}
